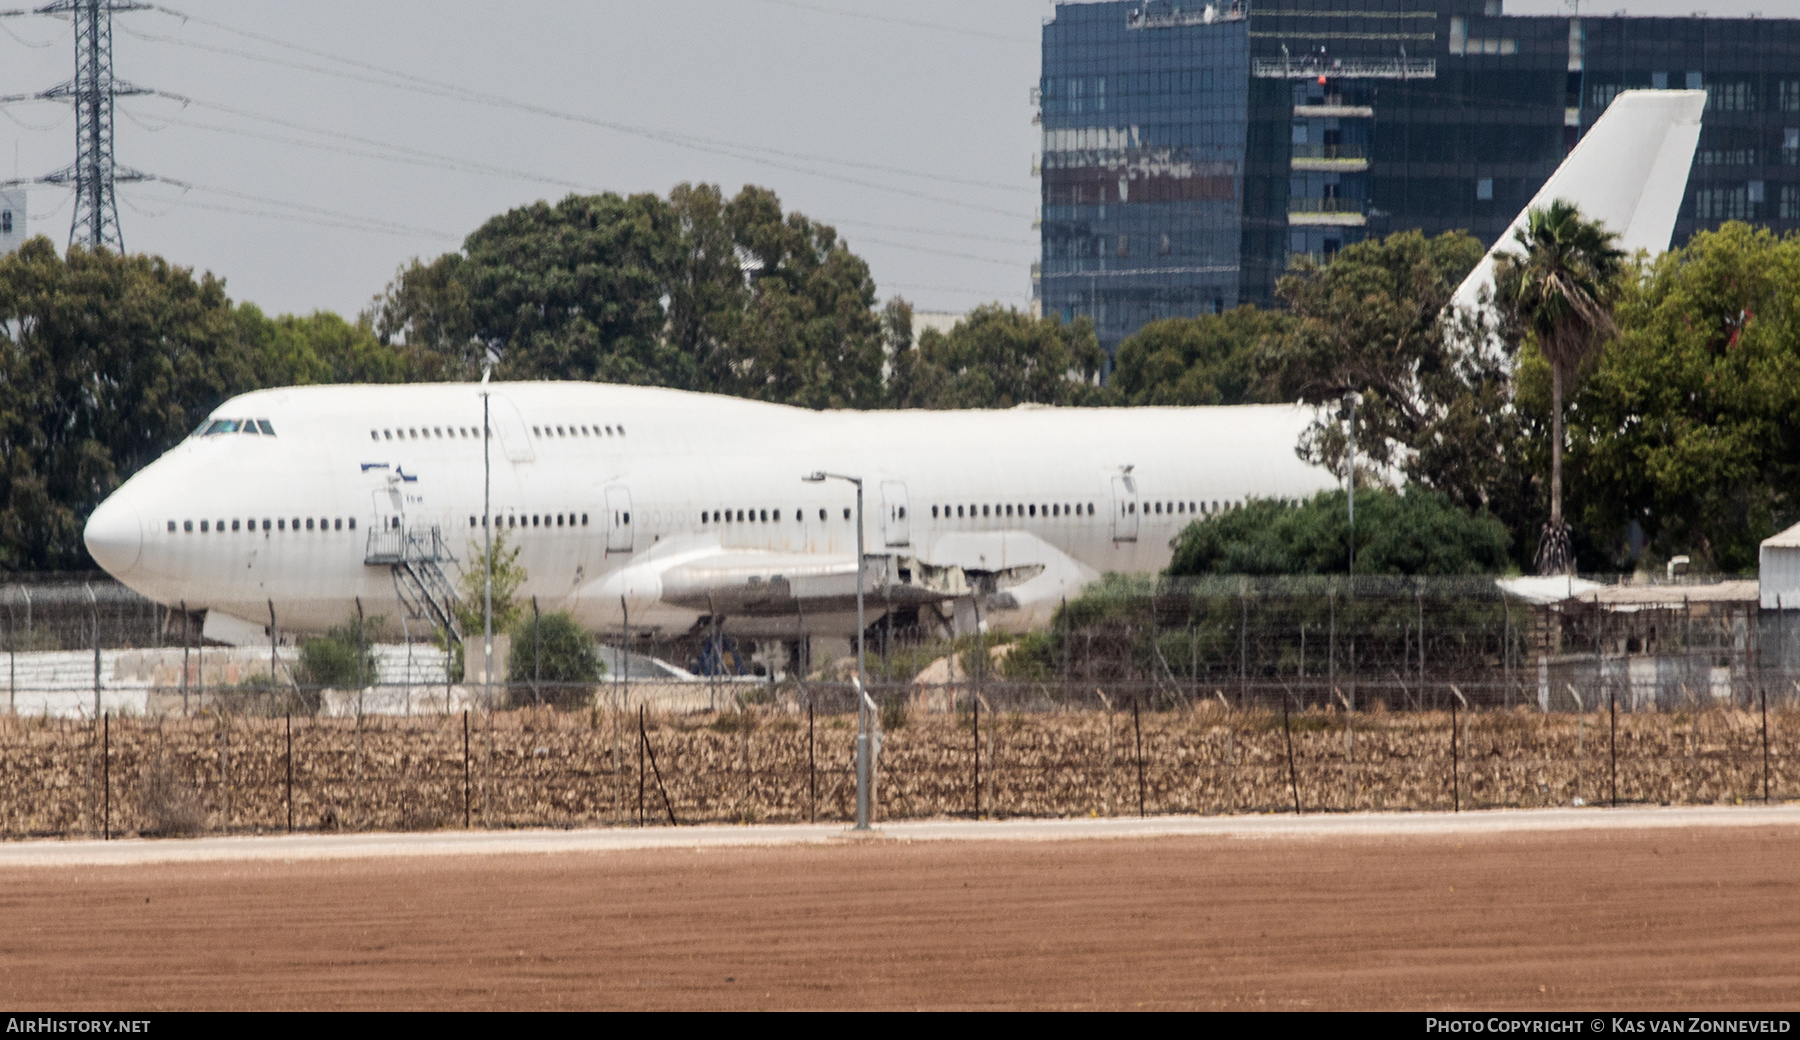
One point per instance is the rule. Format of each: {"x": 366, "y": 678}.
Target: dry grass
{"x": 541, "y": 767}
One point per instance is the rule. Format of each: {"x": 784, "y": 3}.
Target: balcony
{"x": 1325, "y": 213}
{"x": 1335, "y": 158}
{"x": 1334, "y": 109}
{"x": 1345, "y": 68}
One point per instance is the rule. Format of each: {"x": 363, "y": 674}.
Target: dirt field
{"x": 1695, "y": 918}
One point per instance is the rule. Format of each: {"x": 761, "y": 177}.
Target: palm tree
{"x": 1560, "y": 292}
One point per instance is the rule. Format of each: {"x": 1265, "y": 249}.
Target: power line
{"x": 295, "y": 218}
{"x": 943, "y": 252}
{"x": 961, "y": 292}
{"x": 438, "y": 88}
{"x": 391, "y": 225}
{"x": 910, "y": 23}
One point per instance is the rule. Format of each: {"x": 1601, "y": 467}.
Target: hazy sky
{"x": 324, "y": 144}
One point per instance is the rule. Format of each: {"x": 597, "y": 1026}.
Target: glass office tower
{"x": 1192, "y": 150}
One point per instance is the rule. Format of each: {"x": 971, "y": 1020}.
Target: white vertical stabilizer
{"x": 1629, "y": 173}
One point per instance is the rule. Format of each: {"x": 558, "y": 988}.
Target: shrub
{"x": 171, "y": 807}
{"x": 554, "y": 661}
{"x": 341, "y": 658}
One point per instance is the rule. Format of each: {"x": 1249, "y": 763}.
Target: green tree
{"x": 1410, "y": 533}
{"x": 1435, "y": 403}
{"x": 319, "y": 348}
{"x": 105, "y": 362}
{"x": 342, "y": 658}
{"x": 554, "y": 661}
{"x": 696, "y": 291}
{"x": 1560, "y": 295}
{"x": 426, "y": 309}
{"x": 509, "y": 577}
{"x": 1204, "y": 360}
{"x": 1688, "y": 423}
{"x": 574, "y": 290}
{"x": 999, "y": 357}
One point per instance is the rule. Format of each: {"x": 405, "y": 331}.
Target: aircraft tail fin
{"x": 1629, "y": 172}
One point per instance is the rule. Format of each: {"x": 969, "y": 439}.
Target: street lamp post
{"x": 487, "y": 553}
{"x": 864, "y": 706}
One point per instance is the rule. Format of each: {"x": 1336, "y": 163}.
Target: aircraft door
{"x": 896, "y": 528}
{"x": 618, "y": 519}
{"x": 1125, "y": 508}
{"x": 390, "y": 505}
{"x": 509, "y": 429}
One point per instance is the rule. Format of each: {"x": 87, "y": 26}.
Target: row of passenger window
{"x": 1155, "y": 508}
{"x": 541, "y": 520}
{"x": 756, "y": 516}
{"x": 214, "y": 427}
{"x": 1053, "y": 509}
{"x": 281, "y": 524}
{"x": 572, "y": 430}
{"x": 426, "y": 433}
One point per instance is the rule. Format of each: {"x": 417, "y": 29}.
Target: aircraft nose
{"x": 115, "y": 536}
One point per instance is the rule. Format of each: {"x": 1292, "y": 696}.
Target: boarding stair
{"x": 414, "y": 555}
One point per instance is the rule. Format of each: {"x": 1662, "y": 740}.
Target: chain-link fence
{"x": 1221, "y": 695}
{"x": 614, "y": 764}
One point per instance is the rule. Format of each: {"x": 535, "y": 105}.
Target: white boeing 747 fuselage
{"x": 670, "y": 511}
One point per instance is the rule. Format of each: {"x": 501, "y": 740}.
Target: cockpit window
{"x": 214, "y": 427}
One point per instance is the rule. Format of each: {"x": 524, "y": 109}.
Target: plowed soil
{"x": 1645, "y": 919}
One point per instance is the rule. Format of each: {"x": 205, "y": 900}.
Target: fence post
{"x": 642, "y": 739}
{"x": 94, "y": 603}
{"x": 106, "y": 774}
{"x": 1137, "y": 731}
{"x": 977, "y": 730}
{"x": 1765, "y": 740}
{"x": 644, "y": 742}
{"x": 290, "y": 771}
{"x": 1455, "y": 759}
{"x": 1288, "y": 733}
{"x": 812, "y": 769}
{"x": 465, "y": 769}
{"x": 1612, "y": 699}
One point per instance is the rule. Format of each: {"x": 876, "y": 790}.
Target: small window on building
{"x": 471, "y": 521}
{"x": 1031, "y": 510}
{"x": 1484, "y": 189}
{"x": 202, "y": 527}
{"x": 266, "y": 525}
{"x": 535, "y": 432}
{"x": 821, "y": 514}
{"x": 621, "y": 431}
{"x": 934, "y": 516}
{"x": 846, "y": 512}
{"x": 740, "y": 516}
{"x": 1695, "y": 81}
{"x": 5, "y": 221}
{"x": 374, "y": 435}
{"x": 984, "y": 510}
{"x": 171, "y": 527}
{"x": 584, "y": 520}
{"x": 187, "y": 526}
{"x": 765, "y": 516}
{"x": 309, "y": 523}
{"x": 512, "y": 521}
{"x": 414, "y": 433}
{"x": 338, "y": 524}
{"x": 387, "y": 434}
{"x": 609, "y": 431}
{"x": 234, "y": 525}
{"x": 352, "y": 523}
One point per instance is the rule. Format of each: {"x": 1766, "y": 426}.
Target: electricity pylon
{"x": 94, "y": 171}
